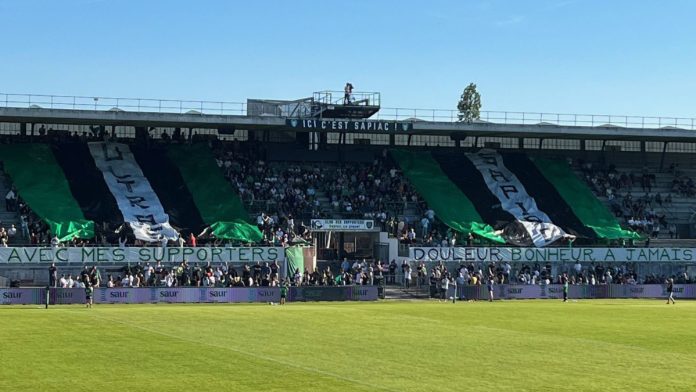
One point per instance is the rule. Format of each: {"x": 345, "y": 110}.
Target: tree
{"x": 469, "y": 105}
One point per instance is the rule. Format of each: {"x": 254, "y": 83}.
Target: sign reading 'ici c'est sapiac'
{"x": 350, "y": 125}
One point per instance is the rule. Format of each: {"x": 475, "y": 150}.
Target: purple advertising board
{"x": 185, "y": 295}
{"x": 20, "y": 296}
{"x": 204, "y": 294}
{"x": 555, "y": 291}
{"x": 332, "y": 293}
{"x": 37, "y": 296}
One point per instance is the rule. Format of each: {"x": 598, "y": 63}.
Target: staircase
{"x": 8, "y": 218}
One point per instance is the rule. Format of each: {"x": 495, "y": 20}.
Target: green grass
{"x": 391, "y": 346}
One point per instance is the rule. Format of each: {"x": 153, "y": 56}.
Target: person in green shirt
{"x": 89, "y": 293}
{"x": 283, "y": 292}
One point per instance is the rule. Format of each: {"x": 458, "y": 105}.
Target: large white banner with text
{"x": 143, "y": 255}
{"x": 514, "y": 198}
{"x": 564, "y": 255}
{"x": 140, "y": 206}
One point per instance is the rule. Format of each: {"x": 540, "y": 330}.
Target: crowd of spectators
{"x": 256, "y": 275}
{"x": 30, "y": 229}
{"x": 639, "y": 213}
{"x": 87, "y": 277}
{"x": 196, "y": 275}
{"x": 288, "y": 190}
{"x": 682, "y": 184}
{"x": 288, "y": 193}
{"x": 526, "y": 274}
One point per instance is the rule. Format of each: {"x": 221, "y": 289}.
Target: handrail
{"x": 392, "y": 114}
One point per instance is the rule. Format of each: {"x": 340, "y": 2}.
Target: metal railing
{"x": 393, "y": 114}
{"x": 539, "y": 118}
{"x": 357, "y": 98}
{"x": 121, "y": 104}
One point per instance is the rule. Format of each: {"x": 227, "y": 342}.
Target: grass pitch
{"x": 384, "y": 346}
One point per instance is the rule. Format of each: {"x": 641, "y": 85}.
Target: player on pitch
{"x": 670, "y": 290}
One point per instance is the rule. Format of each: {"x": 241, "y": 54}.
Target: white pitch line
{"x": 253, "y": 355}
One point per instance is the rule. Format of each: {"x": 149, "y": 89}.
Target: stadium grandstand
{"x": 341, "y": 181}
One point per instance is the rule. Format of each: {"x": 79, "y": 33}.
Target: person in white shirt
{"x": 291, "y": 224}
{"x": 71, "y": 282}
{"x": 9, "y": 200}
{"x": 169, "y": 280}
{"x": 444, "y": 286}
{"x": 63, "y": 282}
{"x": 147, "y": 271}
{"x": 358, "y": 278}
{"x": 507, "y": 268}
{"x": 298, "y": 278}
{"x": 55, "y": 242}
{"x": 412, "y": 235}
{"x": 125, "y": 282}
{"x": 12, "y": 231}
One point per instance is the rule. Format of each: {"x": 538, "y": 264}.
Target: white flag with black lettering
{"x": 514, "y": 199}
{"x": 140, "y": 206}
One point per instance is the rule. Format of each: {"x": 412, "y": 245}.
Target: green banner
{"x": 585, "y": 205}
{"x": 444, "y": 197}
{"x": 294, "y": 256}
{"x": 42, "y": 184}
{"x": 219, "y": 204}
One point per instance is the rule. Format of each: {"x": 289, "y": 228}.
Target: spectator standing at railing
{"x": 347, "y": 92}
{"x": 407, "y": 275}
{"x": 392, "y": 272}
{"x": 52, "y": 275}
{"x": 444, "y": 286}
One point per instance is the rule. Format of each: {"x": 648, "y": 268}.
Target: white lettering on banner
{"x": 358, "y": 126}
{"x": 342, "y": 225}
{"x": 514, "y": 198}
{"x": 140, "y": 206}
{"x": 98, "y": 255}
{"x": 564, "y": 255}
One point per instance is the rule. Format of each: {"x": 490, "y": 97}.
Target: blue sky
{"x": 614, "y": 57}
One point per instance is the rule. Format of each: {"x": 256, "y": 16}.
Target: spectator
{"x": 10, "y": 200}
{"x": 347, "y": 93}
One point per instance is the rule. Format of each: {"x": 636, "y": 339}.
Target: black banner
{"x": 349, "y": 125}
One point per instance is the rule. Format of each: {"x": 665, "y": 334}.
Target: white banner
{"x": 564, "y": 255}
{"x": 140, "y": 206}
{"x": 124, "y": 255}
{"x": 343, "y": 225}
{"x": 514, "y": 199}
